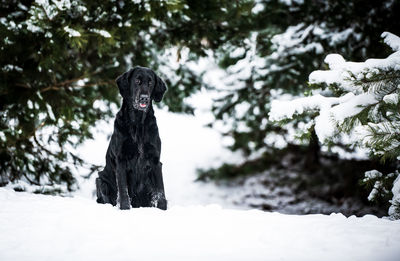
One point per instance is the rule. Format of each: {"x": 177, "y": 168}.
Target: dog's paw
{"x": 159, "y": 201}
{"x": 162, "y": 204}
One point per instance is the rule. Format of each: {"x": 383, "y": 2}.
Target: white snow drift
{"x": 38, "y": 227}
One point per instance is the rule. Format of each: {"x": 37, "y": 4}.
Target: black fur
{"x": 133, "y": 174}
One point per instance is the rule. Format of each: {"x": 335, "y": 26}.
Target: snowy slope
{"x": 39, "y": 227}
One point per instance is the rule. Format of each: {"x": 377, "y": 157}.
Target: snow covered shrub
{"x": 356, "y": 103}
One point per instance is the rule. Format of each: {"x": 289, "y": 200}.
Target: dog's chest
{"x": 132, "y": 147}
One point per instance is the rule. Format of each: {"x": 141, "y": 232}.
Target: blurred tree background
{"x": 59, "y": 57}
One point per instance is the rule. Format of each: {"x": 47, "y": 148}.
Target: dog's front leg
{"x": 156, "y": 184}
{"x": 122, "y": 183}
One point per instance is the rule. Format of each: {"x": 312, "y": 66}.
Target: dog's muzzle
{"x": 143, "y": 102}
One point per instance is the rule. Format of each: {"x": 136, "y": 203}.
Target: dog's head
{"x": 139, "y": 86}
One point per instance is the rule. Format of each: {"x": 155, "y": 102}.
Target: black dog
{"x": 132, "y": 175}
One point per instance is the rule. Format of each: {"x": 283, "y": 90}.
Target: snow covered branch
{"x": 371, "y": 87}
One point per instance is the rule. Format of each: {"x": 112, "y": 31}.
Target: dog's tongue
{"x": 143, "y": 105}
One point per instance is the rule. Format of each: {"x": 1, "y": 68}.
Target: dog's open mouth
{"x": 143, "y": 105}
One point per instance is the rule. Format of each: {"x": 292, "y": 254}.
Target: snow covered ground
{"x": 39, "y": 227}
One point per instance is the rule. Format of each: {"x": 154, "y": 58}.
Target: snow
{"x": 243, "y": 69}
{"x": 392, "y": 98}
{"x": 396, "y": 198}
{"x": 62, "y": 4}
{"x": 292, "y": 41}
{"x": 352, "y": 106}
{"x": 335, "y": 61}
{"x": 281, "y": 109}
{"x": 290, "y": 2}
{"x": 71, "y": 32}
{"x": 258, "y": 7}
{"x": 375, "y": 190}
{"x": 33, "y": 28}
{"x": 332, "y": 110}
{"x": 39, "y": 227}
{"x": 103, "y": 33}
{"x": 11, "y": 67}
{"x": 50, "y": 112}
{"x": 51, "y": 8}
{"x": 392, "y": 40}
{"x": 341, "y": 36}
{"x": 341, "y": 72}
{"x": 372, "y": 174}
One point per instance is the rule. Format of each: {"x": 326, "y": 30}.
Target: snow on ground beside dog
{"x": 39, "y": 227}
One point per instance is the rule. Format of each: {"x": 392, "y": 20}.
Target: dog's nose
{"x": 144, "y": 98}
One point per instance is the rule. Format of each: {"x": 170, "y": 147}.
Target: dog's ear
{"x": 123, "y": 82}
{"x": 159, "y": 88}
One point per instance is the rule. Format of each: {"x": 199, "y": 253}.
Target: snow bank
{"x": 38, "y": 227}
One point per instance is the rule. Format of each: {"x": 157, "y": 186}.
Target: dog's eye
{"x": 137, "y": 81}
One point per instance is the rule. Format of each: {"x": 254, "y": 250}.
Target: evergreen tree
{"x": 359, "y": 105}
